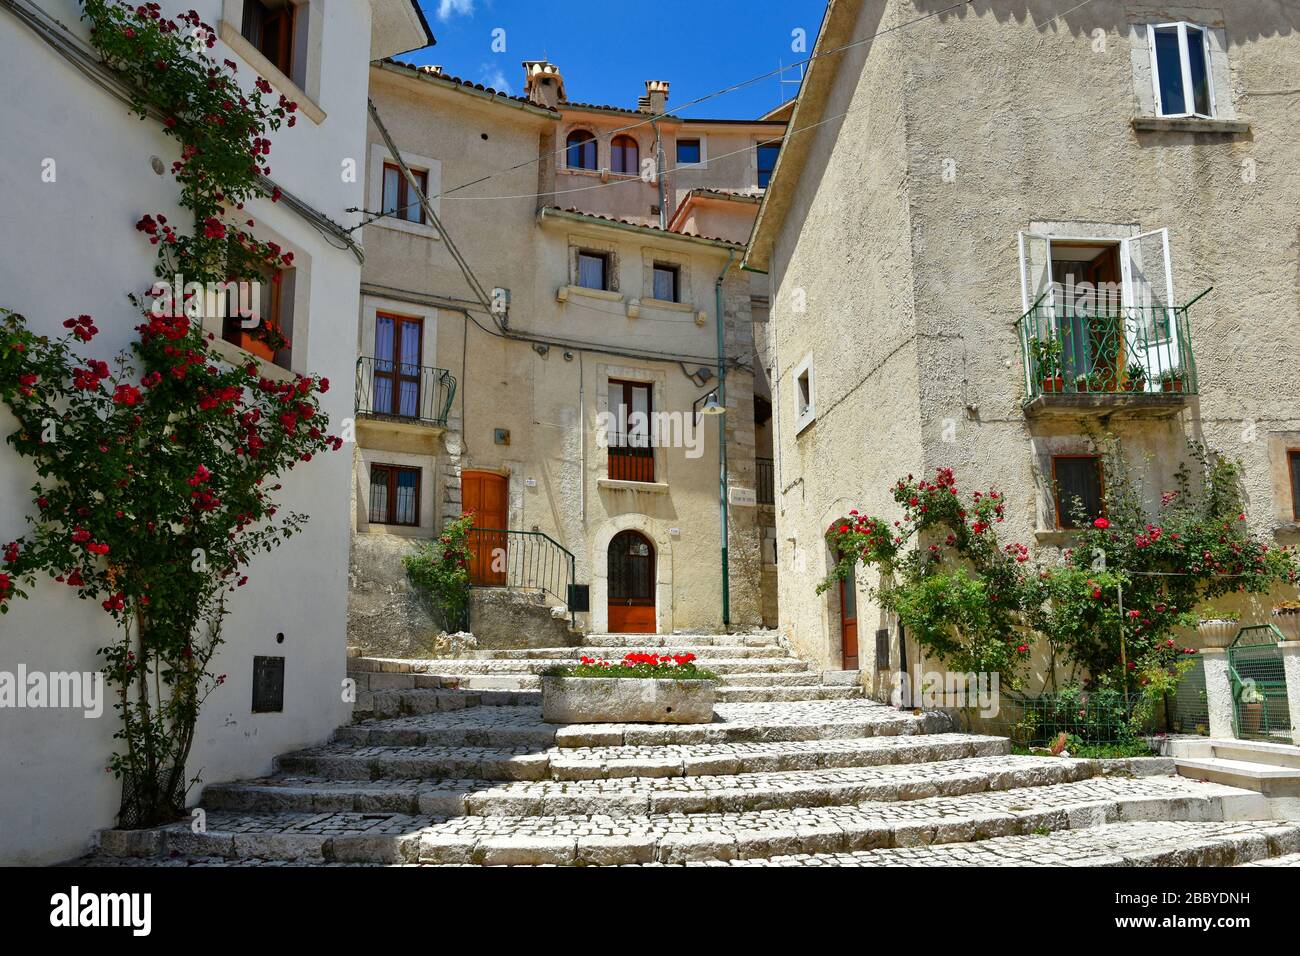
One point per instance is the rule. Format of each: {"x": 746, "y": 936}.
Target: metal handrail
{"x": 430, "y": 402}
{"x": 546, "y": 566}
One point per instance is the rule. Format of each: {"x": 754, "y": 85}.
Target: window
{"x": 805, "y": 395}
{"x": 394, "y": 495}
{"x": 1293, "y": 462}
{"x": 631, "y": 453}
{"x": 580, "y": 150}
{"x": 400, "y": 200}
{"x": 1078, "y": 483}
{"x": 690, "y": 152}
{"x": 269, "y": 26}
{"x": 625, "y": 156}
{"x": 259, "y": 319}
{"x": 665, "y": 282}
{"x": 593, "y": 270}
{"x": 396, "y": 388}
{"x": 767, "y": 153}
{"x": 1180, "y": 68}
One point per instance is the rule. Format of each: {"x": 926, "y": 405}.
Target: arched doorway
{"x": 849, "y": 621}
{"x": 631, "y": 584}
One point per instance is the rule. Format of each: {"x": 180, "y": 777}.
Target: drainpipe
{"x": 722, "y": 443}
{"x": 659, "y": 175}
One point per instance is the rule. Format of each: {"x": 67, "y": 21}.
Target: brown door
{"x": 849, "y": 622}
{"x": 483, "y": 495}
{"x": 631, "y": 584}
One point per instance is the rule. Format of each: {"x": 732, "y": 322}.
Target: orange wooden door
{"x": 483, "y": 495}
{"x": 849, "y": 622}
{"x": 631, "y": 584}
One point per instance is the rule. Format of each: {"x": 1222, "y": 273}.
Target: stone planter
{"x": 1217, "y": 633}
{"x": 1288, "y": 622}
{"x": 626, "y": 700}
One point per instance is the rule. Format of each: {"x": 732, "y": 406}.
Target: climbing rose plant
{"x": 157, "y": 469}
{"x": 440, "y": 569}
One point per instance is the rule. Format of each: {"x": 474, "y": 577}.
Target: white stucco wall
{"x": 69, "y": 247}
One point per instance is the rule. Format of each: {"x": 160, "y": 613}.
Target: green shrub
{"x": 440, "y": 569}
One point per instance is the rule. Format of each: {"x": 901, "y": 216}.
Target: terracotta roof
{"x": 639, "y": 225}
{"x": 669, "y": 116}
{"x": 704, "y": 192}
{"x": 436, "y": 73}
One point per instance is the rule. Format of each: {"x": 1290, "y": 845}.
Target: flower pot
{"x": 1249, "y": 718}
{"x": 1287, "y": 620}
{"x": 1217, "y": 633}
{"x": 1051, "y": 385}
{"x": 1176, "y": 385}
{"x": 627, "y": 700}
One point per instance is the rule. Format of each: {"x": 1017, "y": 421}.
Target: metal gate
{"x": 1260, "y": 709}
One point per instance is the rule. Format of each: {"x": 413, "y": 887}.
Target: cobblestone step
{"x": 476, "y": 682}
{"x": 1290, "y": 859}
{"x": 701, "y": 651}
{"x": 755, "y": 639}
{"x": 507, "y": 727}
{"x": 350, "y": 787}
{"x": 782, "y": 834}
{"x": 598, "y": 763}
{"x": 748, "y": 693}
{"x": 396, "y": 703}
{"x": 450, "y": 668}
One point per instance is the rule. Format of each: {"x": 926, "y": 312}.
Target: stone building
{"x": 80, "y": 168}
{"x": 941, "y": 191}
{"x": 578, "y": 265}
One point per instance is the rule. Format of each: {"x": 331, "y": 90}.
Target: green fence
{"x": 1260, "y": 710}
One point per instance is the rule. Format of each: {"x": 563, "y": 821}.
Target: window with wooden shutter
{"x": 1079, "y": 492}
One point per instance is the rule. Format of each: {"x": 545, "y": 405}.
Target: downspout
{"x": 659, "y": 175}
{"x": 722, "y": 443}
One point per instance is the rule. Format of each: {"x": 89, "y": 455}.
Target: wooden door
{"x": 631, "y": 584}
{"x": 483, "y": 495}
{"x": 849, "y": 622}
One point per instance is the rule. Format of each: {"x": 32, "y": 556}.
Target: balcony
{"x": 1128, "y": 361}
{"x": 404, "y": 394}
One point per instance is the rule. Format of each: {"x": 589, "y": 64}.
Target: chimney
{"x": 543, "y": 83}
{"x": 656, "y": 97}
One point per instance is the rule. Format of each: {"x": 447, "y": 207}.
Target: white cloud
{"x": 494, "y": 77}
{"x": 452, "y": 8}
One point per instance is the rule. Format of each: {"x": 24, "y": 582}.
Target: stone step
{"x": 1280, "y": 782}
{"x": 756, "y": 639}
{"x": 629, "y": 796}
{"x": 616, "y": 654}
{"x": 396, "y": 703}
{"x": 477, "y": 682}
{"x": 515, "y": 726}
{"x": 598, "y": 763}
{"x": 382, "y": 837}
{"x": 1145, "y": 843}
{"x": 451, "y": 668}
{"x": 747, "y": 693}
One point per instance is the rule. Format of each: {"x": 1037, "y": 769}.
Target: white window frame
{"x": 804, "y": 413}
{"x": 432, "y": 169}
{"x": 704, "y": 151}
{"x": 1184, "y": 58}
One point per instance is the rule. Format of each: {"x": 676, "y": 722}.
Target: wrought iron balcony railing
{"x": 1118, "y": 351}
{"x": 402, "y": 392}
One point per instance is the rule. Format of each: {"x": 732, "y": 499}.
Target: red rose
{"x": 1101, "y": 523}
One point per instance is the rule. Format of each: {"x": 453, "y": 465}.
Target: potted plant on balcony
{"x": 642, "y": 688}
{"x": 1046, "y": 356}
{"x": 1135, "y": 377}
{"x": 1287, "y": 618}
{"x": 1171, "y": 380}
{"x": 1217, "y": 628}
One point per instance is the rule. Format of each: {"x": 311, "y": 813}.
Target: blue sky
{"x": 697, "y": 45}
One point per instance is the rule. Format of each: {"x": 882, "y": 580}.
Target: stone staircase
{"x": 753, "y": 668}
{"x": 435, "y": 774}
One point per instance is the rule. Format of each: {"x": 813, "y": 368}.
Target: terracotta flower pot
{"x": 1250, "y": 717}
{"x": 1056, "y": 384}
{"x": 1217, "y": 633}
{"x": 1176, "y": 385}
